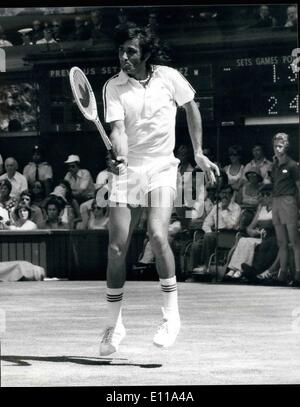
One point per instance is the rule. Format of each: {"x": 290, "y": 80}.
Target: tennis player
{"x": 140, "y": 104}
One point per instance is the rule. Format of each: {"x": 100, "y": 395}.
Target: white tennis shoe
{"x": 111, "y": 339}
{"x": 167, "y": 332}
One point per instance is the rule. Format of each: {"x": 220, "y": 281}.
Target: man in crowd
{"x": 17, "y": 180}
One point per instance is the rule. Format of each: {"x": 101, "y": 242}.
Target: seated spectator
{"x": 22, "y": 220}
{"x": 98, "y": 218}
{"x": 6, "y": 201}
{"x": 228, "y": 219}
{"x": 101, "y": 189}
{"x": 248, "y": 196}
{"x": 152, "y": 28}
{"x": 17, "y": 180}
{"x": 54, "y": 208}
{"x": 3, "y": 40}
{"x": 39, "y": 170}
{"x": 4, "y": 217}
{"x": 80, "y": 32}
{"x": 264, "y": 17}
{"x": 292, "y": 17}
{"x": 36, "y": 212}
{"x": 124, "y": 22}
{"x": 96, "y": 27}
{"x": 25, "y": 34}
{"x": 80, "y": 180}
{"x": 71, "y": 214}
{"x": 260, "y": 239}
{"x": 47, "y": 38}
{"x": 57, "y": 30}
{"x": 259, "y": 161}
{"x": 235, "y": 170}
{"x": 37, "y": 31}
{"x": 38, "y": 194}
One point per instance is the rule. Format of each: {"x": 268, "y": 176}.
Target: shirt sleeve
{"x": 113, "y": 108}
{"x": 183, "y": 90}
{"x": 295, "y": 171}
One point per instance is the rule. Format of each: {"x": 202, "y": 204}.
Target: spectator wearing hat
{"x": 26, "y": 38}
{"x": 248, "y": 196}
{"x": 286, "y": 202}
{"x": 54, "y": 209}
{"x": 17, "y": 180}
{"x": 259, "y": 161}
{"x": 39, "y": 170}
{"x": 80, "y": 180}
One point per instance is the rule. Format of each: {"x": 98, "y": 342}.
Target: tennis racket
{"x": 86, "y": 102}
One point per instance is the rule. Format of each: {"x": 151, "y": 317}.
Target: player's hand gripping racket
{"x": 86, "y": 102}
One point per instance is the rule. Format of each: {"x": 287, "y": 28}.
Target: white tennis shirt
{"x": 148, "y": 113}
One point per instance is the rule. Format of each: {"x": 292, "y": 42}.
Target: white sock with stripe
{"x": 114, "y": 297}
{"x": 170, "y": 298}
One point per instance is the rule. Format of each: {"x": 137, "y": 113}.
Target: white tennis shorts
{"x": 143, "y": 175}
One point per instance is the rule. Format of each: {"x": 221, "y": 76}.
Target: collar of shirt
{"x": 284, "y": 161}
{"x": 123, "y": 78}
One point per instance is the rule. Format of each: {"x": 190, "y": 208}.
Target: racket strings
{"x": 83, "y": 93}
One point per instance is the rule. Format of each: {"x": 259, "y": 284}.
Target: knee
{"x": 116, "y": 251}
{"x": 159, "y": 241}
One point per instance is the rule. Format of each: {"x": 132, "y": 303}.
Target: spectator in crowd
{"x": 57, "y": 31}
{"x": 152, "y": 28}
{"x": 39, "y": 170}
{"x": 260, "y": 240}
{"x": 100, "y": 191}
{"x": 80, "y": 32}
{"x": 292, "y": 17}
{"x": 228, "y": 219}
{"x": 71, "y": 214}
{"x": 47, "y": 38}
{"x": 80, "y": 180}
{"x": 124, "y": 22}
{"x": 235, "y": 170}
{"x": 37, "y": 31}
{"x": 54, "y": 207}
{"x": 25, "y": 34}
{"x": 98, "y": 218}
{"x": 96, "y": 28}
{"x": 285, "y": 207}
{"x": 36, "y": 214}
{"x": 265, "y": 18}
{"x": 38, "y": 193}
{"x": 17, "y": 180}
{"x": 259, "y": 161}
{"x": 248, "y": 196}
{"x": 22, "y": 219}
{"x": 6, "y": 201}
{"x": 4, "y": 217}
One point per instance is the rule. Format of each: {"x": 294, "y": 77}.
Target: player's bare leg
{"x": 122, "y": 222}
{"x": 158, "y": 224}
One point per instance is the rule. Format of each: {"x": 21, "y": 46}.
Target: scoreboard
{"x": 226, "y": 90}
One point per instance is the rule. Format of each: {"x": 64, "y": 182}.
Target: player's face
{"x": 130, "y": 56}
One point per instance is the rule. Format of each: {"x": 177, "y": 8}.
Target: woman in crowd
{"x": 71, "y": 214}
{"x": 261, "y": 237}
{"x": 6, "y": 201}
{"x": 235, "y": 170}
{"x": 38, "y": 194}
{"x": 54, "y": 208}
{"x": 22, "y": 219}
{"x": 36, "y": 213}
{"x": 98, "y": 217}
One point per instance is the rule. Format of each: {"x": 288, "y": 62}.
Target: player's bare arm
{"x": 194, "y": 122}
{"x": 118, "y": 137}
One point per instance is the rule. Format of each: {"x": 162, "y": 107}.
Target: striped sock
{"x": 114, "y": 297}
{"x": 170, "y": 300}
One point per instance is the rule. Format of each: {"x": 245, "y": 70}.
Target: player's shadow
{"x": 81, "y": 360}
